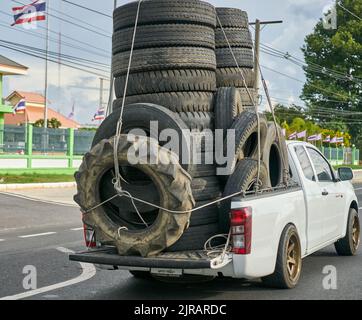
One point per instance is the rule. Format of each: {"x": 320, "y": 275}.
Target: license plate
{"x": 167, "y": 272}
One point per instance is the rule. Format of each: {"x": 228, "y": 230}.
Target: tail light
{"x": 89, "y": 237}
{"x": 241, "y": 227}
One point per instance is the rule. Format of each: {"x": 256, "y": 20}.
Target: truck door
{"x": 313, "y": 195}
{"x": 334, "y": 197}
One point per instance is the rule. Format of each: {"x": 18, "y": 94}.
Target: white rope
{"x": 251, "y": 99}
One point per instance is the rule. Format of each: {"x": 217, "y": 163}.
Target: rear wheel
{"x": 349, "y": 245}
{"x": 289, "y": 261}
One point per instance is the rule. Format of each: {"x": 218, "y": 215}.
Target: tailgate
{"x": 172, "y": 260}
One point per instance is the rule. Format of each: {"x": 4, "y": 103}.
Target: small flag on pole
{"x": 302, "y": 134}
{"x": 315, "y": 137}
{"x": 29, "y": 13}
{"x": 72, "y": 114}
{"x": 100, "y": 115}
{"x": 20, "y": 107}
{"x": 340, "y": 140}
{"x": 334, "y": 140}
{"x": 327, "y": 139}
{"x": 293, "y": 136}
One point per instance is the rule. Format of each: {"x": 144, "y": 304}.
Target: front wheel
{"x": 289, "y": 261}
{"x": 349, "y": 245}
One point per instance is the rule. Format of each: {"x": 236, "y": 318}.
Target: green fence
{"x": 342, "y": 155}
{"x": 27, "y": 147}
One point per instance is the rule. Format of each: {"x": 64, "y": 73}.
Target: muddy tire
{"x": 206, "y": 188}
{"x": 155, "y": 59}
{"x": 242, "y": 179}
{"x": 174, "y": 101}
{"x": 230, "y": 77}
{"x": 275, "y": 156}
{"x": 227, "y": 107}
{"x": 165, "y": 11}
{"x": 232, "y": 18}
{"x": 173, "y": 184}
{"x": 286, "y": 274}
{"x": 348, "y": 246}
{"x": 169, "y": 35}
{"x": 166, "y": 81}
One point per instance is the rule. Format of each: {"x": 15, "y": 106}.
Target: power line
{"x": 51, "y": 60}
{"x": 70, "y": 45}
{"x": 88, "y": 9}
{"x": 339, "y": 3}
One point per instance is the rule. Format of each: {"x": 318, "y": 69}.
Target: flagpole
{"x": 46, "y": 68}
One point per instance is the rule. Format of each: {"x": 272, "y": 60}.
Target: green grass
{"x": 349, "y": 166}
{"x": 35, "y": 178}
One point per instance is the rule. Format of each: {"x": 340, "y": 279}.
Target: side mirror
{"x": 345, "y": 174}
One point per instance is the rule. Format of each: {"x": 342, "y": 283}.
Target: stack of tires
{"x": 234, "y": 110}
{"x": 184, "y": 78}
{"x": 234, "y": 32}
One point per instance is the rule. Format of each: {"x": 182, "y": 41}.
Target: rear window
{"x": 305, "y": 163}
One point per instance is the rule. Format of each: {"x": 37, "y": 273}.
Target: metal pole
{"x": 111, "y": 83}
{"x": 46, "y": 68}
{"x": 257, "y": 56}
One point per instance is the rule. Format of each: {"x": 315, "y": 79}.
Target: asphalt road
{"x": 41, "y": 235}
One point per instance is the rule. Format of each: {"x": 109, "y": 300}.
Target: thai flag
{"x": 21, "y": 106}
{"x": 327, "y": 139}
{"x": 30, "y": 13}
{"x": 315, "y": 137}
{"x": 340, "y": 140}
{"x": 99, "y": 116}
{"x": 302, "y": 134}
{"x": 293, "y": 136}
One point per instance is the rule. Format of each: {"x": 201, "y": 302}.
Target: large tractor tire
{"x": 172, "y": 183}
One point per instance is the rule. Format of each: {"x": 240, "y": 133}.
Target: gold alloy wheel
{"x": 294, "y": 260}
{"x": 356, "y": 231}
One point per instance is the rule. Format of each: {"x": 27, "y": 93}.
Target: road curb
{"x": 32, "y": 186}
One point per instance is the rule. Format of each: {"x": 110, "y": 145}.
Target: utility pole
{"x": 45, "y": 136}
{"x": 258, "y": 25}
{"x": 101, "y": 93}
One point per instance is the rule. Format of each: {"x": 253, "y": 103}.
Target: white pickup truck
{"x": 271, "y": 232}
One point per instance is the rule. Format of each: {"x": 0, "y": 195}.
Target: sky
{"x": 83, "y": 89}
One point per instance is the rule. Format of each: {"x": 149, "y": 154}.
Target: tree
{"x": 334, "y": 90}
{"x": 53, "y": 123}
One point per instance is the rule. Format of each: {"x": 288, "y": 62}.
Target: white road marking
{"x": 89, "y": 271}
{"x": 77, "y": 229}
{"x": 2, "y": 240}
{"x": 37, "y": 235}
{"x": 39, "y": 200}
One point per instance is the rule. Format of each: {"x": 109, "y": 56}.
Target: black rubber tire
{"x": 166, "y": 229}
{"x": 166, "y": 81}
{"x": 228, "y": 106}
{"x": 194, "y": 238}
{"x": 225, "y": 59}
{"x": 244, "y": 175}
{"x": 246, "y": 135}
{"x": 174, "y": 101}
{"x": 203, "y": 170}
{"x": 206, "y": 188}
{"x": 205, "y": 216}
{"x": 198, "y": 121}
{"x": 230, "y": 77}
{"x": 140, "y": 116}
{"x": 275, "y": 156}
{"x": 279, "y": 279}
{"x": 237, "y": 37}
{"x": 232, "y": 18}
{"x": 165, "y": 11}
{"x": 164, "y": 35}
{"x": 166, "y": 58}
{"x": 345, "y": 247}
{"x": 245, "y": 97}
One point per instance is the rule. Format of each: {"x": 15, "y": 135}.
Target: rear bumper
{"x": 109, "y": 256}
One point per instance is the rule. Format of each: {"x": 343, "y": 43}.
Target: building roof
{"x": 10, "y": 67}
{"x": 34, "y": 114}
{"x": 30, "y": 97}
